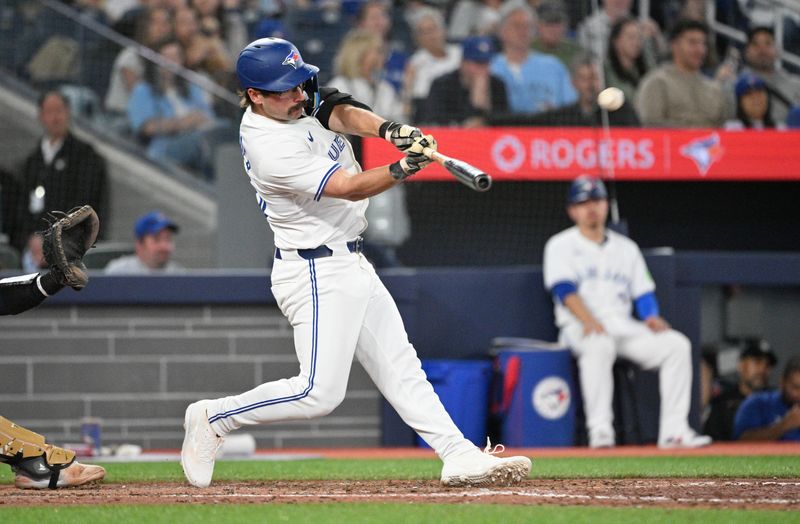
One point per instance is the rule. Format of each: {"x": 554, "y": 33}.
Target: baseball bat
{"x": 467, "y": 174}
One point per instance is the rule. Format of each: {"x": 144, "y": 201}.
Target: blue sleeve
{"x": 563, "y": 289}
{"x": 748, "y": 416}
{"x": 142, "y": 106}
{"x": 198, "y": 100}
{"x": 646, "y": 305}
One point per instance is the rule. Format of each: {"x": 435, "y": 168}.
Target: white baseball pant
{"x": 669, "y": 351}
{"x": 338, "y": 307}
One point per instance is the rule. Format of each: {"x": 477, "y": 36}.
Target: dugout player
{"x": 36, "y": 463}
{"x": 313, "y": 195}
{"x": 595, "y": 276}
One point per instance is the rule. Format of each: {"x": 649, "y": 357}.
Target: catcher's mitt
{"x": 66, "y": 241}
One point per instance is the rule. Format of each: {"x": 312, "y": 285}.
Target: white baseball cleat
{"x": 200, "y": 446}
{"x": 476, "y": 468}
{"x": 602, "y": 438}
{"x": 688, "y": 439}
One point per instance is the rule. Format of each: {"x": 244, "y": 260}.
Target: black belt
{"x": 354, "y": 246}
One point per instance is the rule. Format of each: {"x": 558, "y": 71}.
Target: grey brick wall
{"x": 137, "y": 368}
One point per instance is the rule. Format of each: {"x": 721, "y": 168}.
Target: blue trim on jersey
{"x": 325, "y": 179}
{"x": 314, "y": 336}
{"x": 646, "y": 305}
{"x": 563, "y": 289}
{"x": 262, "y": 205}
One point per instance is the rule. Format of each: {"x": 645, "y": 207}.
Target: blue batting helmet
{"x": 275, "y": 65}
{"x": 584, "y": 188}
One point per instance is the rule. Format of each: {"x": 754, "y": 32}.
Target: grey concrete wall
{"x": 137, "y": 368}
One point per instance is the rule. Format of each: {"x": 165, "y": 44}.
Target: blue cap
{"x": 585, "y": 188}
{"x": 153, "y": 223}
{"x": 748, "y": 82}
{"x": 478, "y": 49}
{"x": 793, "y": 118}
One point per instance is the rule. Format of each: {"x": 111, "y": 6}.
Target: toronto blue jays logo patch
{"x": 292, "y": 59}
{"x": 704, "y": 152}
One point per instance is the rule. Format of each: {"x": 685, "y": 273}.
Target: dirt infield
{"x": 775, "y": 494}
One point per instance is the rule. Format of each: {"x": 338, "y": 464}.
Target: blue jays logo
{"x": 551, "y": 397}
{"x": 292, "y": 59}
{"x": 704, "y": 152}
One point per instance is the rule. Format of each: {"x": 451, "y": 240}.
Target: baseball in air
{"x": 611, "y": 98}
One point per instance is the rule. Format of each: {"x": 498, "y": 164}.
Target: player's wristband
{"x": 397, "y": 171}
{"x": 385, "y": 128}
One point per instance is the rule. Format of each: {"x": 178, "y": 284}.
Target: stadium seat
{"x": 99, "y": 256}
{"x": 9, "y": 257}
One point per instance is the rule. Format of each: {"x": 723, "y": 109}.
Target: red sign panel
{"x": 626, "y": 154}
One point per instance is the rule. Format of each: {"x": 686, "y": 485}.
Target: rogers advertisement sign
{"x": 626, "y": 154}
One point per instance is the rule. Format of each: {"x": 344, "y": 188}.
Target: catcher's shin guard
{"x": 28, "y": 454}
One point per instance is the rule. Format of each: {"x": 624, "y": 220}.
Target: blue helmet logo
{"x": 292, "y": 59}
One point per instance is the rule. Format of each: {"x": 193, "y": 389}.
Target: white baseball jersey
{"x": 336, "y": 304}
{"x": 289, "y": 164}
{"x": 608, "y": 276}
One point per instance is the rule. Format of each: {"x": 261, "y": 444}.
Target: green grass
{"x": 338, "y": 469}
{"x": 321, "y": 513}
{"x": 381, "y": 513}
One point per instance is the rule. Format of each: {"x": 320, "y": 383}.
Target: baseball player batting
{"x": 313, "y": 195}
{"x": 597, "y": 277}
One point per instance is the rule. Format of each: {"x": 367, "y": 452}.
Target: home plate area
{"x": 779, "y": 494}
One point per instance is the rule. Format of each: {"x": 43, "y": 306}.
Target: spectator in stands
{"x": 761, "y": 58}
{"x": 203, "y": 53}
{"x": 626, "y": 63}
{"x": 33, "y": 259}
{"x": 223, "y": 20}
{"x": 154, "y": 248}
{"x": 534, "y": 82}
{"x": 756, "y": 361}
{"x": 585, "y": 111}
{"x": 153, "y": 26}
{"x": 374, "y": 17}
{"x": 467, "y": 96}
{"x": 358, "y": 70}
{"x": 551, "y": 32}
{"x": 171, "y": 116}
{"x": 597, "y": 278}
{"x": 473, "y": 17}
{"x": 677, "y": 94}
{"x": 433, "y": 58}
{"x": 763, "y": 13}
{"x": 9, "y": 200}
{"x": 593, "y": 32}
{"x": 772, "y": 415}
{"x": 753, "y": 102}
{"x": 61, "y": 172}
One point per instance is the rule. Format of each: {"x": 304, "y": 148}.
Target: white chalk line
{"x": 482, "y": 493}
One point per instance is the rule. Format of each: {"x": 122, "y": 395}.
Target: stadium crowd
{"x": 662, "y": 62}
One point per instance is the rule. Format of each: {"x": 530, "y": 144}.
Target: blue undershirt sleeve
{"x": 562, "y": 289}
{"x": 646, "y": 305}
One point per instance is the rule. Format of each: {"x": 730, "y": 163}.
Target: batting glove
{"x": 400, "y": 135}
{"x": 415, "y": 159}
